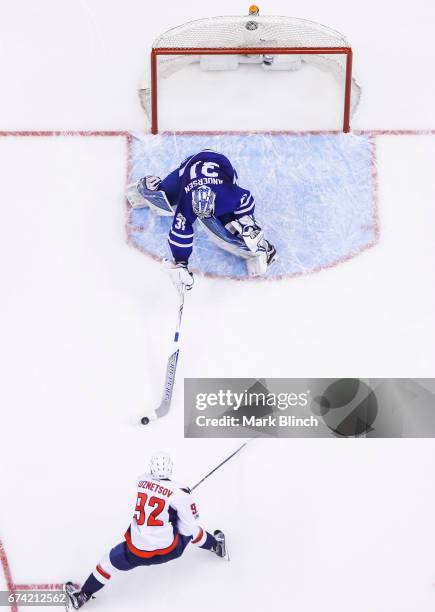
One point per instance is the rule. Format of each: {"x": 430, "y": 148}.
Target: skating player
{"x": 164, "y": 523}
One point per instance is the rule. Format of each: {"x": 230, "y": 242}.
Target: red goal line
{"x": 131, "y": 134}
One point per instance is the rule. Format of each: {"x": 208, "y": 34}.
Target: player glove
{"x": 180, "y": 274}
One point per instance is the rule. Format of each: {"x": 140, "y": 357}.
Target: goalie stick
{"x": 171, "y": 369}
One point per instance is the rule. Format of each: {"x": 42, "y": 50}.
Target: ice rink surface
{"x": 331, "y": 525}
{"x": 317, "y": 195}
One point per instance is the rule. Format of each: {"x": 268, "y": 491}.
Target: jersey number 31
{"x": 140, "y": 515}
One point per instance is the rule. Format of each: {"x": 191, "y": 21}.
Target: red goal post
{"x": 246, "y": 37}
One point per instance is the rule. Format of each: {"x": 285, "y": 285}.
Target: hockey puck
{"x": 144, "y": 420}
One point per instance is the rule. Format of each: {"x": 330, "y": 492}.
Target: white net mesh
{"x": 250, "y": 32}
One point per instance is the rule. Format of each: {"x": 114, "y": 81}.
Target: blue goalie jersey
{"x": 205, "y": 168}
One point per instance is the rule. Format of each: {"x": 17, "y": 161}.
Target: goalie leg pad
{"x": 257, "y": 265}
{"x": 224, "y": 238}
{"x": 228, "y": 238}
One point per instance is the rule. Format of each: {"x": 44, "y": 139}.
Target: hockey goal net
{"x": 275, "y": 43}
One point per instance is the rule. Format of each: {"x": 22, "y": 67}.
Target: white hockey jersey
{"x": 164, "y": 509}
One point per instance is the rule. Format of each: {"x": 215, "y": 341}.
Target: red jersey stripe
{"x": 151, "y": 553}
{"x": 102, "y": 572}
{"x": 199, "y": 536}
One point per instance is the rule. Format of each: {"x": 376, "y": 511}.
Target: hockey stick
{"x": 222, "y": 463}
{"x": 171, "y": 368}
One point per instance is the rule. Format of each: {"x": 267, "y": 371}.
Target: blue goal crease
{"x": 314, "y": 193}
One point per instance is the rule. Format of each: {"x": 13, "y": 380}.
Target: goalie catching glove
{"x": 181, "y": 276}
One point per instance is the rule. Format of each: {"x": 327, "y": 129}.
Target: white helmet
{"x": 161, "y": 465}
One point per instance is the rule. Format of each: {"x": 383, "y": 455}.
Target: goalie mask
{"x": 203, "y": 202}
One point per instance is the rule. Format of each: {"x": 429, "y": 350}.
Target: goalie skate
{"x": 271, "y": 254}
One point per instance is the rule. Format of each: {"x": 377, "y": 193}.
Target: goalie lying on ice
{"x": 204, "y": 187}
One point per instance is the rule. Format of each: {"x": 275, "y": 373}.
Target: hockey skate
{"x": 271, "y": 254}
{"x": 221, "y": 549}
{"x": 75, "y": 598}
